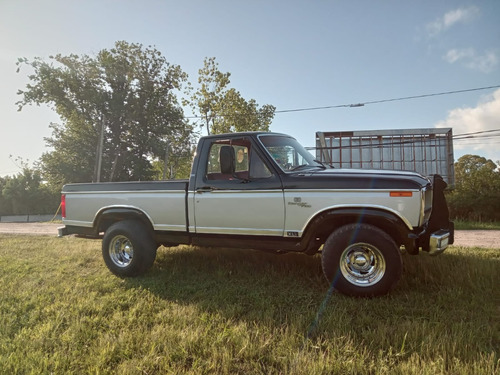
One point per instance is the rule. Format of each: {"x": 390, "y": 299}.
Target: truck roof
{"x": 242, "y": 134}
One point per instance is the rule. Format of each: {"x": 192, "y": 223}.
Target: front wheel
{"x": 128, "y": 248}
{"x": 361, "y": 260}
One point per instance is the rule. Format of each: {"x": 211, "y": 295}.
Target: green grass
{"x": 222, "y": 311}
{"x": 474, "y": 225}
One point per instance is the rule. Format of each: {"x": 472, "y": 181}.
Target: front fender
{"x": 320, "y": 227}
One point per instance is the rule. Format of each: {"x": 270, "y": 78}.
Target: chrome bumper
{"x": 62, "y": 231}
{"x": 438, "y": 241}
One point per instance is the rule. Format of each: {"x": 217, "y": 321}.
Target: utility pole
{"x": 166, "y": 161}
{"x": 100, "y": 145}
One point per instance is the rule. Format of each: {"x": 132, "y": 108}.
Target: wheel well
{"x": 323, "y": 224}
{"x": 110, "y": 216}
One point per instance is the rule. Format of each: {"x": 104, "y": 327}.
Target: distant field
{"x": 473, "y": 225}
{"x": 222, "y": 311}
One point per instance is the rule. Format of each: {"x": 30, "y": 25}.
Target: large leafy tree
{"x": 476, "y": 195}
{"x": 222, "y": 109}
{"x": 126, "y": 95}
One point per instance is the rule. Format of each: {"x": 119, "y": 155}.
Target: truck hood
{"x": 356, "y": 179}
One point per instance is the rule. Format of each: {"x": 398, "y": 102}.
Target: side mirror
{"x": 227, "y": 160}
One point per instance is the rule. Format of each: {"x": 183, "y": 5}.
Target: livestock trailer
{"x": 426, "y": 151}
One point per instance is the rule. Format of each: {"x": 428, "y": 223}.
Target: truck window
{"x": 241, "y": 158}
{"x": 288, "y": 153}
{"x": 258, "y": 169}
{"x": 248, "y": 165}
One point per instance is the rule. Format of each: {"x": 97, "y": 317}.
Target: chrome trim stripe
{"x": 347, "y": 190}
{"x": 107, "y": 192}
{"x": 78, "y": 223}
{"x": 297, "y": 191}
{"x": 227, "y": 191}
{"x": 240, "y": 231}
{"x": 173, "y": 228}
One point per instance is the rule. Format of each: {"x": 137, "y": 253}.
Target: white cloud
{"x": 485, "y": 63}
{"x": 460, "y": 15}
{"x": 484, "y": 117}
{"x": 454, "y": 55}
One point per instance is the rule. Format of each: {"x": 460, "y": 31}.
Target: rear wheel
{"x": 361, "y": 260}
{"x": 128, "y": 248}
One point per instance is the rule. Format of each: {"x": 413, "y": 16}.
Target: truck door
{"x": 236, "y": 193}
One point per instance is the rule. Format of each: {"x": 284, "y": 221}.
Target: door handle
{"x": 205, "y": 189}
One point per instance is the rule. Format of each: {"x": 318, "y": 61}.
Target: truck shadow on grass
{"x": 441, "y": 303}
{"x": 239, "y": 283}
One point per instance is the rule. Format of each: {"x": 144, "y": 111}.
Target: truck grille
{"x": 427, "y": 204}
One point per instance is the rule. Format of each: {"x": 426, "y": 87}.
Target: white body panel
{"x": 238, "y": 212}
{"x": 243, "y": 212}
{"x": 302, "y": 205}
{"x": 165, "y": 209}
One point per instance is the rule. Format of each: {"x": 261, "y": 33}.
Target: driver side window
{"x": 247, "y": 164}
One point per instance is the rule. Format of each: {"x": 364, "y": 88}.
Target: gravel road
{"x": 467, "y": 238}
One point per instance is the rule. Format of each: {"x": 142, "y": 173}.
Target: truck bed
{"x": 163, "y": 201}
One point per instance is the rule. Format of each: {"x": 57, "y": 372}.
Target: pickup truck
{"x": 265, "y": 191}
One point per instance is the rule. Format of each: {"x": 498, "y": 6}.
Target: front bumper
{"x": 439, "y": 241}
{"x": 434, "y": 241}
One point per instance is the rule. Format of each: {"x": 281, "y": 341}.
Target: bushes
{"x": 27, "y": 194}
{"x": 476, "y": 195}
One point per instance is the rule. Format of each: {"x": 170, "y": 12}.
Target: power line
{"x": 406, "y": 141}
{"x": 468, "y": 135}
{"x": 475, "y": 141}
{"x": 362, "y": 104}
{"x": 386, "y": 100}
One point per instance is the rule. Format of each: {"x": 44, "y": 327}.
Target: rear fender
{"x": 110, "y": 215}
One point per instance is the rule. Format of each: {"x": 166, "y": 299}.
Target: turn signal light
{"x": 399, "y": 194}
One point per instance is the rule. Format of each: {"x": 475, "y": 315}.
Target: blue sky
{"x": 292, "y": 54}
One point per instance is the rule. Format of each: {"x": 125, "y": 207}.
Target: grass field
{"x": 222, "y": 311}
{"x": 473, "y": 225}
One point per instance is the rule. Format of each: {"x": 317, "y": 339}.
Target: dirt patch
{"x": 30, "y": 228}
{"x": 466, "y": 238}
{"x": 478, "y": 238}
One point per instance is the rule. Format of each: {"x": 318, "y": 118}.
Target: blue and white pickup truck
{"x": 265, "y": 191}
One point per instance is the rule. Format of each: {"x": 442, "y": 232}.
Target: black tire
{"x": 128, "y": 248}
{"x": 361, "y": 260}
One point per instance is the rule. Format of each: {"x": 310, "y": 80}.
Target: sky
{"x": 291, "y": 54}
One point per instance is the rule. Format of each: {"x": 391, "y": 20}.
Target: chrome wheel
{"x": 121, "y": 251}
{"x": 362, "y": 264}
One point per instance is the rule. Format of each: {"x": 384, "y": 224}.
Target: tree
{"x": 26, "y": 193}
{"x": 128, "y": 93}
{"x": 5, "y": 204}
{"x": 223, "y": 109}
{"x": 476, "y": 195}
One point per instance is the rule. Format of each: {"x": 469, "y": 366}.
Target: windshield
{"x": 288, "y": 153}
